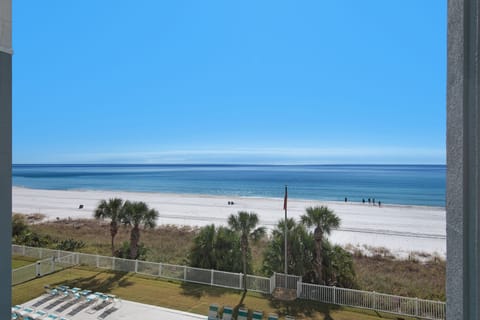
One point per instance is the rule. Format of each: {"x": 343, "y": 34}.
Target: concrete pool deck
{"x": 55, "y": 309}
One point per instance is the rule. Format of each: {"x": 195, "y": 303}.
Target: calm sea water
{"x": 391, "y": 184}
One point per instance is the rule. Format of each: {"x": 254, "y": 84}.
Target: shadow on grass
{"x": 199, "y": 290}
{"x": 98, "y": 283}
{"x": 240, "y": 303}
{"x": 301, "y": 307}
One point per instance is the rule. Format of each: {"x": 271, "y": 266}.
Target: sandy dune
{"x": 401, "y": 229}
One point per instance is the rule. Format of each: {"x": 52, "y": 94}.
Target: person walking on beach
{"x": 345, "y": 199}
{"x": 363, "y": 200}
{"x": 379, "y": 203}
{"x": 368, "y": 200}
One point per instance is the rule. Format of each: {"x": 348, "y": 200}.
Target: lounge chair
{"x": 75, "y": 291}
{"x": 39, "y": 314}
{"x": 64, "y": 290}
{"x": 257, "y": 315}
{"x": 227, "y": 313}
{"x": 85, "y": 292}
{"x": 272, "y": 316}
{"x": 242, "y": 314}
{"x": 24, "y": 313}
{"x": 213, "y": 312}
{"x": 289, "y": 318}
{"x": 15, "y": 314}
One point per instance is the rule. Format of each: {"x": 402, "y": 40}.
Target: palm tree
{"x": 300, "y": 250}
{"x": 216, "y": 248}
{"x": 110, "y": 210}
{"x": 244, "y": 223}
{"x": 324, "y": 220}
{"x": 134, "y": 215}
{"x": 227, "y": 250}
{"x": 202, "y": 254}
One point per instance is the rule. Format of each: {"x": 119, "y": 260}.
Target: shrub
{"x": 70, "y": 245}
{"x": 124, "y": 251}
{"x": 19, "y": 225}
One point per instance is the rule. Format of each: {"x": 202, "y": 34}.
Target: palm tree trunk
{"x": 113, "y": 233}
{"x": 318, "y": 255}
{"x": 113, "y": 248}
{"x": 134, "y": 239}
{"x": 244, "y": 260}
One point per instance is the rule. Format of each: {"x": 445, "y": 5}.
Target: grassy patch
{"x": 165, "y": 244}
{"x": 424, "y": 280}
{"x": 185, "y": 297}
{"x": 18, "y": 262}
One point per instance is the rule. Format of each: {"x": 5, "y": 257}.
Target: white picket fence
{"x": 42, "y": 267}
{"x": 55, "y": 259}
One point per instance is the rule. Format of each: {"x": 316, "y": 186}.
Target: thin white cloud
{"x": 264, "y": 155}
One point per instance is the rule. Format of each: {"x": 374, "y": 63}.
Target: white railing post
{"x": 211, "y": 277}
{"x": 416, "y": 306}
{"x": 113, "y": 263}
{"x": 374, "y": 300}
{"x": 272, "y": 283}
{"x": 136, "y": 266}
{"x": 299, "y": 288}
{"x": 52, "y": 264}
{"x": 334, "y": 295}
{"x": 160, "y": 269}
{"x": 240, "y": 285}
{"x": 97, "y": 261}
{"x": 38, "y": 269}
{"x": 184, "y": 273}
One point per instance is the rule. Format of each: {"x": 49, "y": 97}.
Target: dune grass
{"x": 171, "y": 244}
{"x": 186, "y": 297}
{"x": 409, "y": 278}
{"x": 165, "y": 243}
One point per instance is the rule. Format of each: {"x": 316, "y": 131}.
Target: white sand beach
{"x": 401, "y": 229}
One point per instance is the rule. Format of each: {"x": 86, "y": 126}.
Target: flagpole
{"x": 285, "y": 228}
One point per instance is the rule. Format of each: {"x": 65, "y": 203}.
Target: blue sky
{"x": 229, "y": 81}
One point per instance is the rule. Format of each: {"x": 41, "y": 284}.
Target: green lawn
{"x": 18, "y": 262}
{"x": 186, "y": 297}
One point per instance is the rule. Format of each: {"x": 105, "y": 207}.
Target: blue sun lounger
{"x": 272, "y": 316}
{"x": 227, "y": 313}
{"x": 242, "y": 314}
{"x": 213, "y": 312}
{"x": 257, "y": 315}
{"x": 38, "y": 315}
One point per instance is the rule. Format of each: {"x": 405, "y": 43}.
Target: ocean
{"x": 390, "y": 184}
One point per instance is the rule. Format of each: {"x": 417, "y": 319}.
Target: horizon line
{"x": 228, "y": 164}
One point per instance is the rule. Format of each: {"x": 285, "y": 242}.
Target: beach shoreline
{"x": 402, "y": 229}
